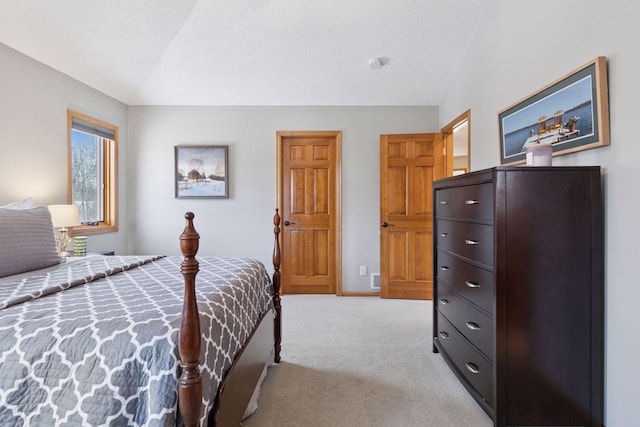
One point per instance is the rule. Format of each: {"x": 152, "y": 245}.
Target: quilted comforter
{"x": 94, "y": 342}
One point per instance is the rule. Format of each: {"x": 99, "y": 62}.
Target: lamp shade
{"x": 64, "y": 215}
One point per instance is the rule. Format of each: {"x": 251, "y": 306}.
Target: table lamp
{"x": 64, "y": 216}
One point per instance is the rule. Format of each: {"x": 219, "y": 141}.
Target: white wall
{"x": 520, "y": 47}
{"x": 242, "y": 225}
{"x": 34, "y": 100}
{"x": 33, "y": 160}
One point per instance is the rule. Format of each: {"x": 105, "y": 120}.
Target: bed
{"x": 116, "y": 340}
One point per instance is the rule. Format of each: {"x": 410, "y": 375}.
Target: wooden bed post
{"x": 190, "y": 382}
{"x": 276, "y": 287}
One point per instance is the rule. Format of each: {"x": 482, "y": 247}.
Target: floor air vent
{"x": 375, "y": 281}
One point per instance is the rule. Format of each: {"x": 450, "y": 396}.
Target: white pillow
{"x": 21, "y": 204}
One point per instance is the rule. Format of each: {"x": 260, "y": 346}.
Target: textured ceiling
{"x": 249, "y": 52}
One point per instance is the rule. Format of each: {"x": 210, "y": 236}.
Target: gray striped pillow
{"x": 26, "y": 241}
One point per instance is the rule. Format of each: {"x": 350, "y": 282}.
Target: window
{"x": 92, "y": 175}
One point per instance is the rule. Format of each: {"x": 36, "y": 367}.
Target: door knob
{"x": 287, "y": 223}
{"x": 385, "y": 224}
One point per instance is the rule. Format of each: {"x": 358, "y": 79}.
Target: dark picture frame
{"x": 571, "y": 114}
{"x": 201, "y": 171}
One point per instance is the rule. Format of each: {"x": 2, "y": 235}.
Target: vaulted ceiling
{"x": 249, "y": 52}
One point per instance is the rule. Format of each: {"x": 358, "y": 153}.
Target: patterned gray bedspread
{"x": 95, "y": 341}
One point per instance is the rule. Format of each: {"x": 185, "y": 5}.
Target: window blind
{"x": 92, "y": 129}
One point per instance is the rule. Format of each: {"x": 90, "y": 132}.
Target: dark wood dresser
{"x": 518, "y": 296}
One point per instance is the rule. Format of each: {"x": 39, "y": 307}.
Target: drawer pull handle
{"x": 444, "y": 335}
{"x": 444, "y": 301}
{"x": 471, "y": 202}
{"x": 444, "y": 234}
{"x": 473, "y": 326}
{"x": 471, "y": 284}
{"x": 444, "y": 202}
{"x": 471, "y": 242}
{"x": 444, "y": 268}
{"x": 473, "y": 368}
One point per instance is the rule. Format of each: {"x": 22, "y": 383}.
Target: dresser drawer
{"x": 476, "y": 326}
{"x": 475, "y": 202}
{"x": 445, "y": 202}
{"x": 469, "y": 240}
{"x": 476, "y": 368}
{"x": 473, "y": 283}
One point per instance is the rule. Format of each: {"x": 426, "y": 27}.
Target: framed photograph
{"x": 571, "y": 114}
{"x": 202, "y": 171}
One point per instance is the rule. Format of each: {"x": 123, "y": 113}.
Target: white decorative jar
{"x": 539, "y": 154}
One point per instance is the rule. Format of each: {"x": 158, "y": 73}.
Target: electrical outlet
{"x": 363, "y": 270}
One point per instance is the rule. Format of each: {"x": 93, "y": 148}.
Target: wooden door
{"x": 309, "y": 198}
{"x": 408, "y": 166}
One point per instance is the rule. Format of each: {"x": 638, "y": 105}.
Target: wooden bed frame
{"x": 237, "y": 388}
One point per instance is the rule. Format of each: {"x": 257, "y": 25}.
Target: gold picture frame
{"x": 571, "y": 114}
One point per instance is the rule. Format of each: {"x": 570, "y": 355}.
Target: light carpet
{"x": 361, "y": 361}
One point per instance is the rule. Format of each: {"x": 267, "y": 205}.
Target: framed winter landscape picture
{"x": 202, "y": 171}
{"x": 570, "y": 114}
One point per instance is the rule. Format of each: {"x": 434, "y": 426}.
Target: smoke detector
{"x": 376, "y": 63}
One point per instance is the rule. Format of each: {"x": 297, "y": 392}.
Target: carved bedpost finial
{"x": 276, "y": 246}
{"x": 276, "y": 286}
{"x": 189, "y": 342}
{"x": 189, "y": 239}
